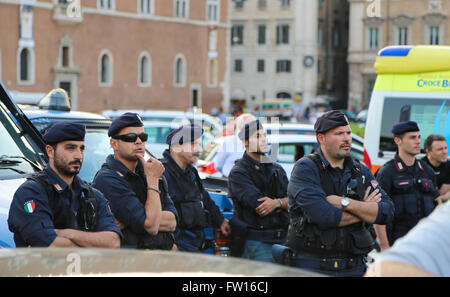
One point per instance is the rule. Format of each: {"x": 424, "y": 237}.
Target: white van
{"x": 413, "y": 83}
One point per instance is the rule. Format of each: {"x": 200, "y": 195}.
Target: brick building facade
{"x": 154, "y": 54}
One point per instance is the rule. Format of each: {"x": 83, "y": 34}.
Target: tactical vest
{"x": 63, "y": 216}
{"x": 412, "y": 196}
{"x": 193, "y": 216}
{"x": 275, "y": 188}
{"x": 347, "y": 241}
{"x": 162, "y": 240}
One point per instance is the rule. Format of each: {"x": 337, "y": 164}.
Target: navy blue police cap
{"x": 249, "y": 129}
{"x": 403, "y": 127}
{"x": 183, "y": 134}
{"x": 330, "y": 120}
{"x": 63, "y": 131}
{"x": 128, "y": 119}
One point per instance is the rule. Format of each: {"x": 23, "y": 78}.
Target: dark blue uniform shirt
{"x": 305, "y": 192}
{"x": 114, "y": 181}
{"x": 177, "y": 194}
{"x": 242, "y": 186}
{"x": 31, "y": 217}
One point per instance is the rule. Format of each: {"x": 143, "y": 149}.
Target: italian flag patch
{"x": 29, "y": 206}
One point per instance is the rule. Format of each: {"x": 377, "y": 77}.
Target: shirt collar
{"x": 267, "y": 160}
{"x": 403, "y": 165}
{"x": 59, "y": 184}
{"x": 122, "y": 169}
{"x": 171, "y": 162}
{"x": 348, "y": 161}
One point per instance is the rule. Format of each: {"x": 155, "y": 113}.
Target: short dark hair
{"x": 399, "y": 135}
{"x": 430, "y": 139}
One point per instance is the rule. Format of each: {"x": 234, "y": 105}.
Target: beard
{"x": 64, "y": 167}
{"x": 129, "y": 157}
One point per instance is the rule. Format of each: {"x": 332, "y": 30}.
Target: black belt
{"x": 328, "y": 264}
{"x": 267, "y": 236}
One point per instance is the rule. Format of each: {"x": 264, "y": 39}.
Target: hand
{"x": 267, "y": 206}
{"x": 119, "y": 224}
{"x": 375, "y": 196}
{"x": 225, "y": 227}
{"x": 153, "y": 168}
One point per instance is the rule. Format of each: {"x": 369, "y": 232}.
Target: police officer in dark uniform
{"x": 258, "y": 188}
{"x": 195, "y": 207}
{"x": 333, "y": 202}
{"x": 136, "y": 188}
{"x": 409, "y": 182}
{"x": 55, "y": 208}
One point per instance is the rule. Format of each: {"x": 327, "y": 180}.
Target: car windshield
{"x": 157, "y": 134}
{"x": 431, "y": 114}
{"x": 16, "y": 154}
{"x": 97, "y": 149}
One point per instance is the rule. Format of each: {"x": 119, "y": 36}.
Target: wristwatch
{"x": 345, "y": 202}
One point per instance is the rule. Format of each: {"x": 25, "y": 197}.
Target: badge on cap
{"x": 29, "y": 206}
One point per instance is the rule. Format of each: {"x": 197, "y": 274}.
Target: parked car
{"x": 210, "y": 124}
{"x": 361, "y": 117}
{"x": 301, "y": 129}
{"x": 96, "y": 140}
{"x": 20, "y": 157}
{"x": 283, "y": 149}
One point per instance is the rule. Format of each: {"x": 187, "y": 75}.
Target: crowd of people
{"x": 325, "y": 218}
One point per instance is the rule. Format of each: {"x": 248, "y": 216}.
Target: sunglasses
{"x": 132, "y": 137}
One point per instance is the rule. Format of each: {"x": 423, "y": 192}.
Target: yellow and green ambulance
{"x": 413, "y": 83}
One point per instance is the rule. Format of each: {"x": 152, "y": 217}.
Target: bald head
{"x": 243, "y": 119}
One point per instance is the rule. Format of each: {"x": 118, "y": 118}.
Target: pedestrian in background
{"x": 436, "y": 150}
{"x": 232, "y": 148}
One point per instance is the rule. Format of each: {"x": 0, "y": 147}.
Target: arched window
{"x": 180, "y": 71}
{"x": 26, "y": 66}
{"x": 105, "y": 68}
{"x": 144, "y": 70}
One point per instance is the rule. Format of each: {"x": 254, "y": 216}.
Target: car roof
{"x": 298, "y": 139}
{"x": 48, "y": 116}
{"x": 146, "y": 112}
{"x": 292, "y": 126}
{"x": 161, "y": 124}
{"x": 298, "y": 126}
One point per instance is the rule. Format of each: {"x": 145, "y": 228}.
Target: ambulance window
{"x": 432, "y": 115}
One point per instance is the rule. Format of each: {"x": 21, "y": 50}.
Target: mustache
{"x": 76, "y": 162}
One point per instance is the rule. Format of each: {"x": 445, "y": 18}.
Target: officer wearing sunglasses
{"x": 136, "y": 189}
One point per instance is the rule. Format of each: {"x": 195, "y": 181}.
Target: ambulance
{"x": 413, "y": 83}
